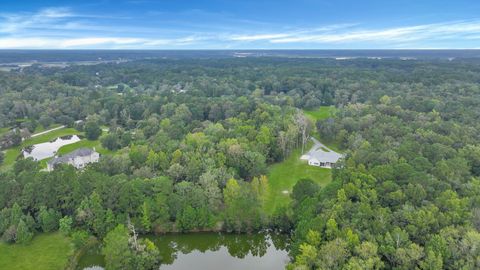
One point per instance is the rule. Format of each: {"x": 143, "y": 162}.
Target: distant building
{"x": 78, "y": 159}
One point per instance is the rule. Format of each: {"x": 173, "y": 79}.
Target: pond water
{"x": 48, "y": 149}
{"x": 211, "y": 251}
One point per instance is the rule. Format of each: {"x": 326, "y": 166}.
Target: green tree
{"x": 24, "y": 235}
{"x": 118, "y": 255}
{"x": 304, "y": 188}
{"x": 79, "y": 238}
{"x": 92, "y": 130}
{"x": 65, "y": 225}
{"x": 48, "y": 219}
{"x": 110, "y": 142}
{"x": 146, "y": 222}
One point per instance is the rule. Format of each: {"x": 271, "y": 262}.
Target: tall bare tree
{"x": 304, "y": 126}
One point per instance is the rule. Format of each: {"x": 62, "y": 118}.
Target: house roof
{"x": 81, "y": 152}
{"x": 323, "y": 156}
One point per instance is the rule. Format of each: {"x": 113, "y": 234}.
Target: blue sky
{"x": 242, "y": 24}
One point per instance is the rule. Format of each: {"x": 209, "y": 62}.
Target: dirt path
{"x": 47, "y": 131}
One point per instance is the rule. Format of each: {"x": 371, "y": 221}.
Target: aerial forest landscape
{"x": 206, "y": 138}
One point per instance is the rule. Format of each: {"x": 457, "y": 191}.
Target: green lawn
{"x": 84, "y": 143}
{"x": 46, "y": 252}
{"x": 3, "y": 130}
{"x": 321, "y": 113}
{"x": 12, "y": 153}
{"x": 284, "y": 175}
{"x": 40, "y": 128}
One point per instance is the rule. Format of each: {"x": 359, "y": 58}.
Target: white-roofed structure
{"x": 321, "y": 156}
{"x": 78, "y": 159}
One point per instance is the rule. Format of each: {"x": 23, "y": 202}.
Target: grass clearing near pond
{"x": 12, "y": 153}
{"x": 284, "y": 175}
{"x": 47, "y": 251}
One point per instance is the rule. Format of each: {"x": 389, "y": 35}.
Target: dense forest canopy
{"x": 191, "y": 141}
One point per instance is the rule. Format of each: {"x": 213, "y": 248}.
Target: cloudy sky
{"x": 241, "y": 24}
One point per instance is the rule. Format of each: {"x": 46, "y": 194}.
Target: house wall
{"x": 81, "y": 162}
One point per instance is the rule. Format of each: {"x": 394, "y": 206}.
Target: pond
{"x": 211, "y": 251}
{"x": 48, "y": 149}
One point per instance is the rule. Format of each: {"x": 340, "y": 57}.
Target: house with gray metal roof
{"x": 321, "y": 156}
{"x": 78, "y": 159}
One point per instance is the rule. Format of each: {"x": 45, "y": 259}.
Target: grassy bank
{"x": 46, "y": 252}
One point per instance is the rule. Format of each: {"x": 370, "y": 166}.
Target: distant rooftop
{"x": 81, "y": 152}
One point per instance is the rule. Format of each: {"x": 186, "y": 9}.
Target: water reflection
{"x": 48, "y": 149}
{"x": 214, "y": 251}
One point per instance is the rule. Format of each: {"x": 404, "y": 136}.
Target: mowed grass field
{"x": 322, "y": 112}
{"x": 46, "y": 252}
{"x": 284, "y": 175}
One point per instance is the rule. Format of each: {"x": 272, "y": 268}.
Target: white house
{"x": 78, "y": 159}
{"x": 321, "y": 156}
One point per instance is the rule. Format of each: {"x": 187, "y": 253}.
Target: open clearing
{"x": 284, "y": 175}
{"x": 322, "y": 112}
{"x": 46, "y": 252}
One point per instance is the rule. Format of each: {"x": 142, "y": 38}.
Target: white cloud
{"x": 258, "y": 37}
{"x": 81, "y": 42}
{"x": 399, "y": 34}
{"x": 61, "y": 28}
{"x": 14, "y": 23}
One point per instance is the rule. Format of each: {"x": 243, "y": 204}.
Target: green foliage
{"x": 48, "y": 219}
{"x": 92, "y": 130}
{"x": 192, "y": 149}
{"x": 125, "y": 251}
{"x": 79, "y": 238}
{"x": 243, "y": 207}
{"x": 24, "y": 235}
{"x": 304, "y": 188}
{"x": 116, "y": 249}
{"x": 65, "y": 225}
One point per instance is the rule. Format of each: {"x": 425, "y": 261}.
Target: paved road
{"x": 47, "y": 131}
